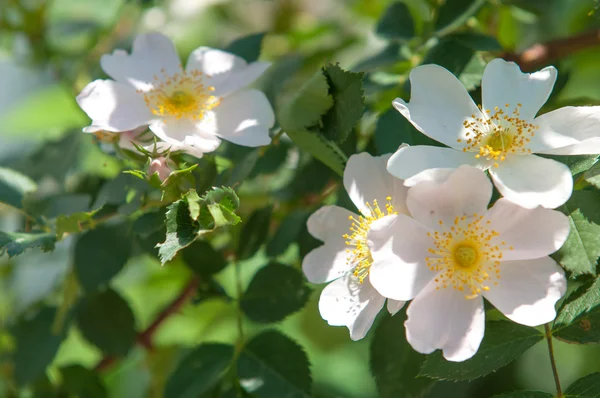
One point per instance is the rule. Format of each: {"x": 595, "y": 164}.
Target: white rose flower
{"x": 190, "y": 109}
{"x": 452, "y": 251}
{"x": 350, "y": 300}
{"x": 502, "y": 136}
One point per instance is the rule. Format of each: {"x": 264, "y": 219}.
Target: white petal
{"x": 533, "y": 233}
{"x": 189, "y": 149}
{"x": 346, "y": 302}
{"x": 329, "y": 223}
{"x": 228, "y": 72}
{"x": 366, "y": 180}
{"x": 568, "y": 131}
{"x": 113, "y": 106}
{"x": 152, "y": 54}
{"x": 399, "y": 246}
{"x": 444, "y": 319}
{"x": 181, "y": 133}
{"x": 326, "y": 263}
{"x": 532, "y": 181}
{"x": 393, "y": 306}
{"x": 439, "y": 104}
{"x": 467, "y": 191}
{"x": 504, "y": 83}
{"x": 528, "y": 290}
{"x": 245, "y": 118}
{"x": 408, "y": 162}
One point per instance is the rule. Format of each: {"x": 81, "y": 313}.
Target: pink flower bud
{"x": 160, "y": 166}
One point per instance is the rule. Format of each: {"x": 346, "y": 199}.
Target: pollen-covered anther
{"x": 358, "y": 253}
{"x": 182, "y": 95}
{"x": 494, "y": 135}
{"x": 466, "y": 255}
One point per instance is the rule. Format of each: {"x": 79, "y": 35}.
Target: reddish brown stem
{"x": 542, "y": 54}
{"x": 144, "y": 338}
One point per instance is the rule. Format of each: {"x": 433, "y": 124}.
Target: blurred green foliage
{"x": 101, "y": 317}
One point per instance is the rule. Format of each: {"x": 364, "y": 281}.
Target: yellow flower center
{"x": 466, "y": 255}
{"x": 183, "y": 95}
{"x": 493, "y": 136}
{"x": 359, "y": 256}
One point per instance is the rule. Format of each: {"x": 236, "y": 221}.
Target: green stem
{"x": 559, "y": 393}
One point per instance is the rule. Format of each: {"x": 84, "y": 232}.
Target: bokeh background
{"x": 47, "y": 57}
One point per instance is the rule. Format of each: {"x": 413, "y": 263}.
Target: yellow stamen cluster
{"x": 493, "y": 136}
{"x": 360, "y": 256}
{"x": 466, "y": 255}
{"x": 182, "y": 95}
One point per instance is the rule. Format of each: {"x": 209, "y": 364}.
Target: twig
{"x": 559, "y": 393}
{"x": 145, "y": 338}
{"x": 542, "y": 54}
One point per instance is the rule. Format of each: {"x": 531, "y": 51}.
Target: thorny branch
{"x": 144, "y": 338}
{"x": 542, "y": 54}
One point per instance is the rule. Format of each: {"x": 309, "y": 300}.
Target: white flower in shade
{"x": 501, "y": 136}
{"x": 452, "y": 252}
{"x": 350, "y": 300}
{"x": 190, "y": 109}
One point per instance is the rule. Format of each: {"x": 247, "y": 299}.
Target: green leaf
{"x": 72, "y": 223}
{"x": 199, "y": 371}
{"x": 454, "y": 13}
{"x": 393, "y": 129}
{"x": 216, "y": 208}
{"x": 16, "y": 243}
{"x": 586, "y": 387}
{"x": 247, "y": 47}
{"x": 286, "y": 234}
{"x": 396, "y": 22}
{"x": 254, "y": 233}
{"x": 181, "y": 230}
{"x": 389, "y": 56}
{"x": 451, "y": 54}
{"x": 578, "y": 319}
{"x": 274, "y": 366}
{"x": 307, "y": 105}
{"x": 391, "y": 355}
{"x": 524, "y": 394}
{"x": 36, "y": 346}
{"x": 105, "y": 320}
{"x": 275, "y": 292}
{"x": 203, "y": 259}
{"x": 582, "y": 248}
{"x": 348, "y": 106}
{"x": 576, "y": 163}
{"x": 82, "y": 382}
{"x": 14, "y": 186}
{"x": 222, "y": 203}
{"x": 321, "y": 148}
{"x": 503, "y": 343}
{"x": 100, "y": 254}
{"x": 477, "y": 41}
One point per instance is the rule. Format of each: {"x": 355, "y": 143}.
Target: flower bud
{"x": 160, "y": 166}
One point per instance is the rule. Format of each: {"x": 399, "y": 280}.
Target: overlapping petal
{"x": 152, "y": 55}
{"x": 444, "y": 319}
{"x": 466, "y": 191}
{"x": 531, "y": 181}
{"x": 399, "y": 246}
{"x": 113, "y": 106}
{"x": 532, "y": 233}
{"x": 245, "y": 118}
{"x": 504, "y": 83}
{"x": 366, "y": 180}
{"x": 568, "y": 131}
{"x": 439, "y": 104}
{"x": 409, "y": 162}
{"x": 346, "y": 302}
{"x": 528, "y": 290}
